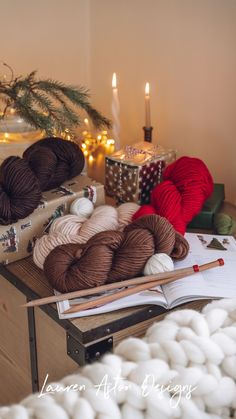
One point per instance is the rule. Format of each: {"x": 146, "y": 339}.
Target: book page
{"x": 153, "y": 296}
{"x": 219, "y": 282}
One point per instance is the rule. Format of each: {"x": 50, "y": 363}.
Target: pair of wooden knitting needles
{"x": 132, "y": 286}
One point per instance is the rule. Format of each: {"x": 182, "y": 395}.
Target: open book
{"x": 219, "y": 282}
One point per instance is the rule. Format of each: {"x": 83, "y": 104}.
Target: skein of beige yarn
{"x": 125, "y": 212}
{"x": 46, "y": 243}
{"x": 78, "y": 229}
{"x": 68, "y": 224}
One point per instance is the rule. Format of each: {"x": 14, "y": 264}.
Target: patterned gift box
{"x": 132, "y": 172}
{"x": 17, "y": 239}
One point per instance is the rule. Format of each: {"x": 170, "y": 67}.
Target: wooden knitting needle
{"x": 142, "y": 287}
{"x": 102, "y": 288}
{"x": 107, "y": 287}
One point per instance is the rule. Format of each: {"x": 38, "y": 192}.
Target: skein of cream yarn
{"x": 79, "y": 229}
{"x": 125, "y": 213}
{"x": 46, "y": 243}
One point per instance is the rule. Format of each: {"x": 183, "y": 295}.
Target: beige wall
{"x": 184, "y": 48}
{"x": 49, "y": 35}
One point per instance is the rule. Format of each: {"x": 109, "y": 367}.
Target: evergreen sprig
{"x": 48, "y": 104}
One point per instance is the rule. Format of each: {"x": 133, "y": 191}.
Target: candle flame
{"x": 86, "y": 121}
{"x": 147, "y": 89}
{"x": 114, "y": 81}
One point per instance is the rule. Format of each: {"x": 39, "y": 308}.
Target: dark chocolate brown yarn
{"x": 20, "y": 191}
{"x": 111, "y": 255}
{"x": 45, "y": 165}
{"x": 54, "y": 160}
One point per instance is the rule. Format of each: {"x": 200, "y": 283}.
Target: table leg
{"x": 33, "y": 349}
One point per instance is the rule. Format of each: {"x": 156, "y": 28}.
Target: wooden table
{"x": 34, "y": 342}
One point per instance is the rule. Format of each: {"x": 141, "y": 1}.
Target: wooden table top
{"x": 25, "y": 275}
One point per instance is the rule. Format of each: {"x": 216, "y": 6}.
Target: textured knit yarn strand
{"x": 111, "y": 256}
{"x": 187, "y": 183}
{"x": 46, "y": 164}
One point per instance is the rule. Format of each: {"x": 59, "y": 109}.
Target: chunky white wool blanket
{"x": 185, "y": 367}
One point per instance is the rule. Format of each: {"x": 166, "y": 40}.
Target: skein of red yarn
{"x": 187, "y": 183}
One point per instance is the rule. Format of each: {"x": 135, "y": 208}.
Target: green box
{"x": 205, "y": 218}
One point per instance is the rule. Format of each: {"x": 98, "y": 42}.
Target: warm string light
{"x": 5, "y": 138}
{"x": 67, "y": 135}
{"x": 91, "y": 143}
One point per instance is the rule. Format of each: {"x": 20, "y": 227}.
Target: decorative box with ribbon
{"x": 132, "y": 172}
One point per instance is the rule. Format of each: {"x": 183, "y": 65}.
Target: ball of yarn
{"x": 224, "y": 224}
{"x": 82, "y": 206}
{"x": 187, "y": 183}
{"x": 54, "y": 160}
{"x": 20, "y": 191}
{"x": 110, "y": 256}
{"x": 159, "y": 262}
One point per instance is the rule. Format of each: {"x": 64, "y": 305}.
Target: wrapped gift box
{"x": 205, "y": 218}
{"x": 132, "y": 172}
{"x": 17, "y": 239}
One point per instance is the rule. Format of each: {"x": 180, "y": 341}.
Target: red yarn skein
{"x": 187, "y": 183}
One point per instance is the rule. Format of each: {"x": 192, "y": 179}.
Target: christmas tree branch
{"x": 48, "y": 104}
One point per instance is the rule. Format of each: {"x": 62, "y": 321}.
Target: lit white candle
{"x": 147, "y": 106}
{"x": 115, "y": 112}
{"x": 86, "y": 122}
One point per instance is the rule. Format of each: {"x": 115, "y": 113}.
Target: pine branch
{"x": 49, "y": 104}
{"x": 77, "y": 96}
{"x": 26, "y": 111}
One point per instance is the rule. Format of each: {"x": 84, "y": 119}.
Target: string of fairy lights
{"x": 89, "y": 141}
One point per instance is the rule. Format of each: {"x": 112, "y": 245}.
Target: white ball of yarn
{"x": 160, "y": 262}
{"x": 82, "y": 206}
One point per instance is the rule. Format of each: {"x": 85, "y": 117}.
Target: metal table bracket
{"x": 82, "y": 354}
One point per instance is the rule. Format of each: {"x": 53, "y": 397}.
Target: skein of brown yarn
{"x": 20, "y": 191}
{"x": 54, "y": 160}
{"x": 112, "y": 256}
{"x": 46, "y": 164}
